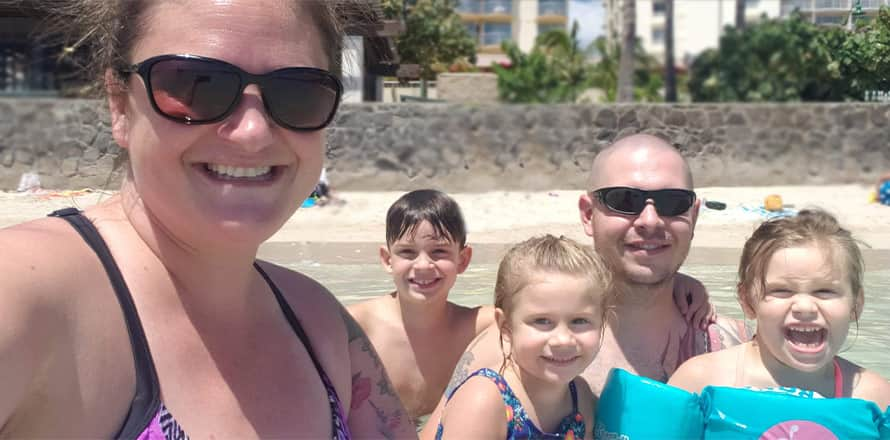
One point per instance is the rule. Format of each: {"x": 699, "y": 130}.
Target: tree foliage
{"x": 434, "y": 35}
{"x": 556, "y": 69}
{"x": 794, "y": 60}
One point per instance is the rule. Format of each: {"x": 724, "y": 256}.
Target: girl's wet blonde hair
{"x": 550, "y": 254}
{"x": 810, "y": 226}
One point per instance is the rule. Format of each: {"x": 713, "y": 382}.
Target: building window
{"x": 495, "y": 33}
{"x": 658, "y": 36}
{"x": 658, "y": 7}
{"x": 497, "y": 6}
{"x": 831, "y": 19}
{"x": 553, "y": 7}
{"x": 473, "y": 30}
{"x": 544, "y": 28}
{"x": 469, "y": 6}
{"x": 752, "y": 4}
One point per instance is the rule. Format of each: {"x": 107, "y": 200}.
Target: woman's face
{"x": 234, "y": 182}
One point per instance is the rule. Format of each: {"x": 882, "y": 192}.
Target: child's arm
{"x": 693, "y": 375}
{"x": 692, "y": 300}
{"x": 872, "y": 387}
{"x": 476, "y": 410}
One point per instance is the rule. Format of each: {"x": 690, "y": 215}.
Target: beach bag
{"x": 786, "y": 413}
{"x": 635, "y": 407}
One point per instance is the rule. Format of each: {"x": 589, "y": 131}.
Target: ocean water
{"x": 867, "y": 345}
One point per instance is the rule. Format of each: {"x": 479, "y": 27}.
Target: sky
{"x": 589, "y": 14}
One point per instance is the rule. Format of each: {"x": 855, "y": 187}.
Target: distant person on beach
{"x": 882, "y": 189}
{"x": 418, "y": 333}
{"x": 149, "y": 315}
{"x": 551, "y": 300}
{"x": 801, "y": 279}
{"x": 641, "y": 213}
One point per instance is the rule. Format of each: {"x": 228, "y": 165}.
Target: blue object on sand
{"x": 884, "y": 193}
{"x": 308, "y": 203}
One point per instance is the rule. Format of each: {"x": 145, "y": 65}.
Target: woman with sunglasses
{"x": 148, "y": 316}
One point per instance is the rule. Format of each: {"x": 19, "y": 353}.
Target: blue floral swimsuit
{"x": 519, "y": 426}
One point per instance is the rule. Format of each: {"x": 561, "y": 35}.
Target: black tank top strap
{"x": 147, "y": 399}
{"x": 574, "y": 392}
{"x": 338, "y": 423}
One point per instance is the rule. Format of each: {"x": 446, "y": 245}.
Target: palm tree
{"x": 739, "y": 14}
{"x": 670, "y": 70}
{"x": 628, "y": 43}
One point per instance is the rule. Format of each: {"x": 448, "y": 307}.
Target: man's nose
{"x": 648, "y": 217}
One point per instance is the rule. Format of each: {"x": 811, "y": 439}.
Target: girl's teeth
{"x": 238, "y": 172}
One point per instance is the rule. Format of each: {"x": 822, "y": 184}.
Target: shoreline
{"x": 348, "y": 231}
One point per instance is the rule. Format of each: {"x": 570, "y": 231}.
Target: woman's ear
{"x": 117, "y": 105}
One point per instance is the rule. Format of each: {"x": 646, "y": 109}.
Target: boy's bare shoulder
{"x": 373, "y": 312}
{"x": 479, "y": 316}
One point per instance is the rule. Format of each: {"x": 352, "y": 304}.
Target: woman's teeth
{"x": 238, "y": 172}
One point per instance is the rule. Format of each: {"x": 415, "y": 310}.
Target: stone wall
{"x": 464, "y": 147}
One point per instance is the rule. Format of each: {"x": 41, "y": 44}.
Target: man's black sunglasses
{"x": 632, "y": 201}
{"x": 196, "y": 90}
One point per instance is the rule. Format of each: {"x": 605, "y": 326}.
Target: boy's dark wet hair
{"x": 436, "y": 207}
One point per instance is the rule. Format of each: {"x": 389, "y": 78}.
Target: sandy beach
{"x": 351, "y": 231}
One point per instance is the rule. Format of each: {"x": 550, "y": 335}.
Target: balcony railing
{"x": 829, "y": 5}
{"x": 553, "y": 7}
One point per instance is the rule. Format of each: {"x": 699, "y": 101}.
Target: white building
{"x": 831, "y": 12}
{"x": 698, "y": 24}
{"x": 491, "y": 22}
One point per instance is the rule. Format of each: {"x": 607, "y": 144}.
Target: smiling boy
{"x": 417, "y": 332}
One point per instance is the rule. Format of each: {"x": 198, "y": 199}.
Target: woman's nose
{"x": 249, "y": 126}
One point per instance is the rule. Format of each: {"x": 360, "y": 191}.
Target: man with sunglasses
{"x": 641, "y": 212}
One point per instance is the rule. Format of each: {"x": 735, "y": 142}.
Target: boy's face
{"x": 424, "y": 265}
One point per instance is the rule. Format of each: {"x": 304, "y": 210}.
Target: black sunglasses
{"x": 196, "y": 90}
{"x": 632, "y": 201}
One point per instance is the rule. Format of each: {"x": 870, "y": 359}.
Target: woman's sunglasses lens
{"x": 193, "y": 90}
{"x": 301, "y": 100}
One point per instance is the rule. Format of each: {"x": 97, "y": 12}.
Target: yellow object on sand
{"x": 773, "y": 203}
{"x": 873, "y": 197}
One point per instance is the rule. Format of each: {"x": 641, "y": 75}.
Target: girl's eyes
{"x": 541, "y": 322}
{"x": 580, "y": 321}
{"x": 825, "y": 294}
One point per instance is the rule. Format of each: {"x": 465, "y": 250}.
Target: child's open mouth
{"x": 806, "y": 339}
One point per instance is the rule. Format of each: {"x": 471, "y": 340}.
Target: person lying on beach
{"x": 801, "y": 278}
{"x": 641, "y": 213}
{"x": 148, "y": 315}
{"x": 418, "y": 333}
{"x": 551, "y": 299}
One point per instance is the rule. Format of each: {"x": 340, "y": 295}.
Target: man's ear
{"x": 117, "y": 104}
{"x": 385, "y": 258}
{"x": 696, "y": 206}
{"x": 585, "y": 210}
{"x": 465, "y": 255}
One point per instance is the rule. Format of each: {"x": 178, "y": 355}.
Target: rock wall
{"x": 482, "y": 147}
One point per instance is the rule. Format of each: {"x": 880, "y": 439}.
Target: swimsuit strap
{"x": 838, "y": 379}
{"x": 147, "y": 399}
{"x": 339, "y": 429}
{"x": 574, "y": 394}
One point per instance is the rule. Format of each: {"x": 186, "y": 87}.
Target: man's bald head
{"x": 642, "y": 150}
